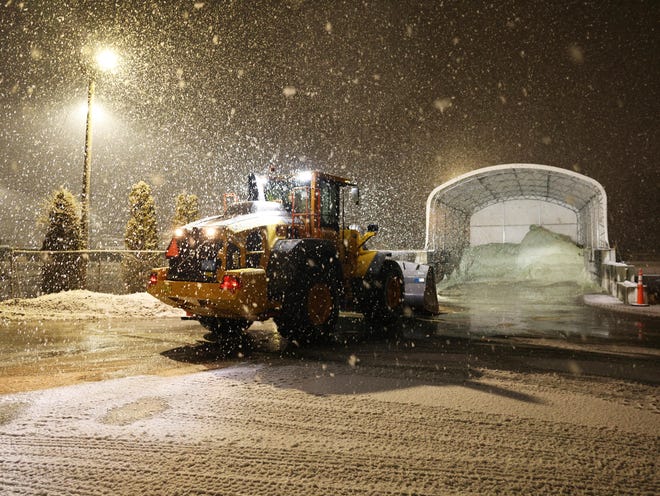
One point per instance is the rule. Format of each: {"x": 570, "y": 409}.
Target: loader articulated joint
{"x": 290, "y": 258}
{"x": 376, "y": 265}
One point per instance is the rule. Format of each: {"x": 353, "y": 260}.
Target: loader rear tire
{"x": 383, "y": 305}
{"x": 228, "y": 334}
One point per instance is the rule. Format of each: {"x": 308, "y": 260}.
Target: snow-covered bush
{"x": 141, "y": 234}
{"x": 186, "y": 210}
{"x": 62, "y": 271}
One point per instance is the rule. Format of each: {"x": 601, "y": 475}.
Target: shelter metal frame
{"x": 451, "y": 205}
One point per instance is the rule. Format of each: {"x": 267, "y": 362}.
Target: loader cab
{"x": 315, "y": 200}
{"x": 317, "y": 203}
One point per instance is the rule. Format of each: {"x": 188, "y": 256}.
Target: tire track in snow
{"x": 256, "y": 433}
{"x": 287, "y": 468}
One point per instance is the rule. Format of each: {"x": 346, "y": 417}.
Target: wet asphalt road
{"x": 520, "y": 328}
{"x": 541, "y": 311}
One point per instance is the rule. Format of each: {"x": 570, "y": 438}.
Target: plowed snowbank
{"x": 86, "y": 305}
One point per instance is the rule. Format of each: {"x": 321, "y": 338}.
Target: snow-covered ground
{"x": 378, "y": 418}
{"x": 86, "y": 305}
{"x": 296, "y": 428}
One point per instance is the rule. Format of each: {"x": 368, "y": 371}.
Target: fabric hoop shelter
{"x": 450, "y": 206}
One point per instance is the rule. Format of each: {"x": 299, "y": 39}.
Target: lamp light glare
{"x": 107, "y": 60}
{"x": 304, "y": 177}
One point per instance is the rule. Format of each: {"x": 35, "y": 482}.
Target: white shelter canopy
{"x": 451, "y": 205}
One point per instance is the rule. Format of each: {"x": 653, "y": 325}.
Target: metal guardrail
{"x": 21, "y": 270}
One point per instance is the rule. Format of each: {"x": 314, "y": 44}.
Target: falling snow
{"x": 401, "y": 96}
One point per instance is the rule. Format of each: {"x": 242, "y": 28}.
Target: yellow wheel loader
{"x": 286, "y": 254}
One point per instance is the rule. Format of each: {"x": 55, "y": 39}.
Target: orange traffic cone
{"x": 640, "y": 291}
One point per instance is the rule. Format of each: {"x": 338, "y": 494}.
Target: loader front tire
{"x": 310, "y": 307}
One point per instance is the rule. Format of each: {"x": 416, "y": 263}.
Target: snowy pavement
{"x": 300, "y": 428}
{"x": 426, "y": 413}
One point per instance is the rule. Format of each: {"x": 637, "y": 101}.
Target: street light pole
{"x": 86, "y": 180}
{"x": 106, "y": 61}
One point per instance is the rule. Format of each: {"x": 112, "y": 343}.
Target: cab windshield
{"x": 279, "y": 190}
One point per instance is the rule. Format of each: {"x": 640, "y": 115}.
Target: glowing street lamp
{"x": 106, "y": 61}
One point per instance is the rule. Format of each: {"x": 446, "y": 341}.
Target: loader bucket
{"x": 419, "y": 287}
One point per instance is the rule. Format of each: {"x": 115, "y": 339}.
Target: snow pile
{"x": 550, "y": 256}
{"x": 542, "y": 256}
{"x": 492, "y": 261}
{"x": 86, "y": 305}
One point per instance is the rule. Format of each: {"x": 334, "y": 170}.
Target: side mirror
{"x": 372, "y": 228}
{"x": 354, "y": 195}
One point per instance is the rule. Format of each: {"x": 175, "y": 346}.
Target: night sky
{"x": 399, "y": 95}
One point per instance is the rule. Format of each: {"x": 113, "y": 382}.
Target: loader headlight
{"x": 210, "y": 232}
{"x": 304, "y": 177}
